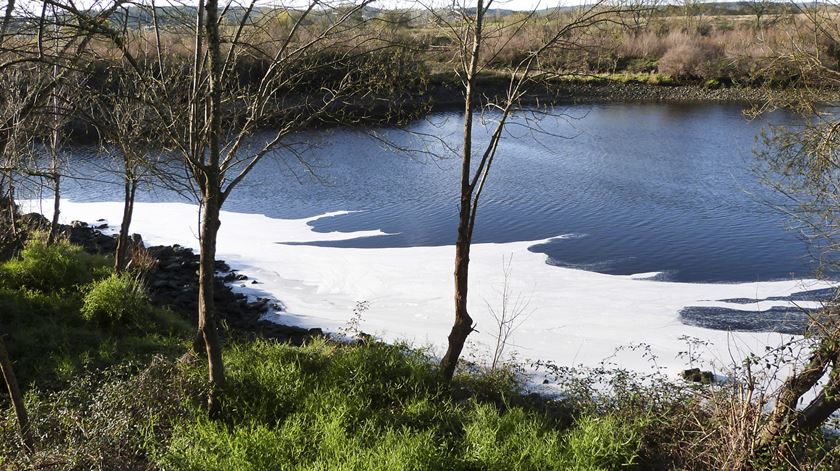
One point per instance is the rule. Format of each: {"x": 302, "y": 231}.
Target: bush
{"x": 55, "y": 267}
{"x": 116, "y": 299}
{"x": 697, "y": 59}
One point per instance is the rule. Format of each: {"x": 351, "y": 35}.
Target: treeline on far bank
{"x": 394, "y": 88}
{"x": 402, "y": 60}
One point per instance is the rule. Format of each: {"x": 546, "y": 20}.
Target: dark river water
{"x": 635, "y": 187}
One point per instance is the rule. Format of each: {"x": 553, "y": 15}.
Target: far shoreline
{"x": 444, "y": 95}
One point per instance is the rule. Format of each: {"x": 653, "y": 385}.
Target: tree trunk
{"x": 15, "y": 394}
{"x": 206, "y": 306}
{"x": 821, "y": 408}
{"x": 212, "y": 201}
{"x": 785, "y": 416}
{"x": 121, "y": 255}
{"x": 463, "y": 322}
{"x": 56, "y": 209}
{"x": 12, "y": 207}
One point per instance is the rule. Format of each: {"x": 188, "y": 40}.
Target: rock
{"x": 260, "y": 305}
{"x": 161, "y": 252}
{"x": 107, "y": 244}
{"x": 137, "y": 240}
{"x": 34, "y": 221}
{"x": 174, "y": 283}
{"x": 157, "y": 284}
{"x": 694, "y": 375}
{"x": 229, "y": 277}
{"x": 102, "y": 226}
{"x": 690, "y": 374}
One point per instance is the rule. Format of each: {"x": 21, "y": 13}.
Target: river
{"x": 625, "y": 223}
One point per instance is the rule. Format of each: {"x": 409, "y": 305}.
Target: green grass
{"x": 376, "y": 406}
{"x": 48, "y": 337}
{"x": 117, "y": 299}
{"x": 52, "y": 268}
{"x": 650, "y": 78}
{"x": 82, "y": 338}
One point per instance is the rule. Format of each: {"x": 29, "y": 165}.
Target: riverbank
{"x": 595, "y": 315}
{"x": 116, "y": 392}
{"x": 172, "y": 282}
{"x": 444, "y": 93}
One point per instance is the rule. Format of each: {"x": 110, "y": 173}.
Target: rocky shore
{"x": 173, "y": 283}
{"x": 447, "y": 97}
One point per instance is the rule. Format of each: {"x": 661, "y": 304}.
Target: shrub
{"x": 55, "y": 267}
{"x": 116, "y": 299}
{"x": 696, "y": 59}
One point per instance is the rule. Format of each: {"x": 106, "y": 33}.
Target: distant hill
{"x": 173, "y": 16}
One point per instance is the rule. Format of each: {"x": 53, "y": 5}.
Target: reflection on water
{"x": 643, "y": 187}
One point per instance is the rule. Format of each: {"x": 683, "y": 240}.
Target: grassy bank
{"x": 322, "y": 406}
{"x": 111, "y": 384}
{"x": 65, "y": 313}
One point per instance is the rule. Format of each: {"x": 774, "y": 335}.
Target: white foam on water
{"x": 574, "y": 317}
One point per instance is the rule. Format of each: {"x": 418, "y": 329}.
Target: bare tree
{"x": 20, "y": 141}
{"x": 308, "y": 69}
{"x": 128, "y": 129}
{"x": 759, "y": 9}
{"x": 639, "y": 13}
{"x": 470, "y": 31}
{"x": 54, "y": 145}
{"x": 690, "y": 11}
{"x": 26, "y": 95}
